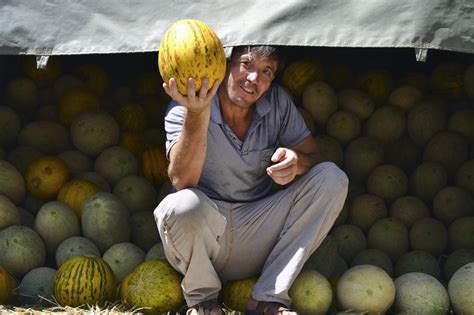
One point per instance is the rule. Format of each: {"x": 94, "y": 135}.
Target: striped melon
{"x": 298, "y": 74}
{"x": 190, "y": 48}
{"x": 5, "y": 286}
{"x": 94, "y": 77}
{"x": 153, "y": 284}
{"x": 74, "y": 102}
{"x": 84, "y": 280}
{"x": 155, "y": 165}
{"x": 75, "y": 193}
{"x": 131, "y": 117}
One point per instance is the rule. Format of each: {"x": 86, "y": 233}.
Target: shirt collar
{"x": 263, "y": 107}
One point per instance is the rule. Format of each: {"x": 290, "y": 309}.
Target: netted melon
{"x": 448, "y": 148}
{"x": 425, "y": 120}
{"x": 366, "y": 209}
{"x": 144, "y": 233}
{"x": 429, "y": 235}
{"x": 404, "y": 153}
{"x": 350, "y": 240}
{"x": 362, "y": 155}
{"x": 9, "y": 213}
{"x": 11, "y": 125}
{"x": 387, "y": 124}
{"x": 365, "y": 288}
{"x": 22, "y": 94}
{"x": 320, "y": 100}
{"x": 157, "y": 251}
{"x": 311, "y": 293}
{"x": 465, "y": 176}
{"x": 462, "y": 122}
{"x": 389, "y": 235}
{"x": 36, "y": 286}
{"x": 93, "y": 131}
{"x": 427, "y": 180}
{"x": 12, "y": 184}
{"x": 331, "y": 148}
{"x": 419, "y": 293}
{"x": 417, "y": 261}
{"x": 388, "y": 182}
{"x": 22, "y": 155}
{"x": 461, "y": 290}
{"x": 123, "y": 258}
{"x": 76, "y": 161}
{"x": 343, "y": 126}
{"x": 136, "y": 192}
{"x": 357, "y": 102}
{"x": 323, "y": 259}
{"x": 46, "y": 136}
{"x": 114, "y": 163}
{"x": 405, "y": 97}
{"x": 75, "y": 246}
{"x": 408, "y": 209}
{"x": 374, "y": 257}
{"x": 451, "y": 203}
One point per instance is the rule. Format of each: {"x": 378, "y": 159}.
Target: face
{"x": 248, "y": 77}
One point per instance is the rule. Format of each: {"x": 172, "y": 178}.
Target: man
{"x": 225, "y": 147}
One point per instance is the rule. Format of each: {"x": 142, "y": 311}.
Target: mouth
{"x": 247, "y": 90}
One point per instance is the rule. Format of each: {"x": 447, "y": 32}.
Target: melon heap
{"x": 190, "y": 48}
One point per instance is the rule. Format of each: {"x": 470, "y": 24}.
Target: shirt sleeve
{"x": 174, "y": 120}
{"x": 293, "y": 127}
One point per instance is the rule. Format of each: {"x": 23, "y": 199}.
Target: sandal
{"x": 209, "y": 305}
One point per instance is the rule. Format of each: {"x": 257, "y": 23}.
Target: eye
{"x": 268, "y": 73}
{"x": 245, "y": 63}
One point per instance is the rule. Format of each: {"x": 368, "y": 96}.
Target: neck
{"x": 236, "y": 117}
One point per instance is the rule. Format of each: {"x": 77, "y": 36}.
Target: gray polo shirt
{"x": 235, "y": 170}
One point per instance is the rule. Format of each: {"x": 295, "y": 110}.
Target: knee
{"x": 183, "y": 208}
{"x": 335, "y": 180}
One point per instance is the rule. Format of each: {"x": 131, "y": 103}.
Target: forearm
{"x": 188, "y": 155}
{"x": 308, "y": 160}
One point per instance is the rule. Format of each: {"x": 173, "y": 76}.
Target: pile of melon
{"x": 82, "y": 167}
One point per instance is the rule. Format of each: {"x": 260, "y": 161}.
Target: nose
{"x": 252, "y": 75}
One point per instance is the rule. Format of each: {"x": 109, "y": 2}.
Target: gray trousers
{"x": 210, "y": 241}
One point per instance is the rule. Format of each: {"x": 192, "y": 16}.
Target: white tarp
{"x": 62, "y": 27}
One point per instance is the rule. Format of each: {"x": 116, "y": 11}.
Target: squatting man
{"x": 226, "y": 147}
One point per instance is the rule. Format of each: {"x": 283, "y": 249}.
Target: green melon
{"x": 417, "y": 261}
{"x": 46, "y": 136}
{"x": 36, "y": 287}
{"x": 320, "y": 100}
{"x": 389, "y": 235}
{"x": 143, "y": 229}
{"x": 27, "y": 218}
{"x": 425, "y": 120}
{"x": 388, "y": 182}
{"x": 357, "y": 102}
{"x": 465, "y": 176}
{"x": 350, "y": 240}
{"x": 419, "y": 293}
{"x": 47, "y": 112}
{"x": 403, "y": 153}
{"x": 9, "y": 213}
{"x": 32, "y": 203}
{"x": 365, "y": 288}
{"x": 21, "y": 250}
{"x": 366, "y": 209}
{"x": 405, "y": 97}
{"x": 362, "y": 155}
{"x": 461, "y": 233}
{"x": 387, "y": 124}
{"x": 157, "y": 251}
{"x": 343, "y": 215}
{"x": 339, "y": 75}
{"x": 136, "y": 192}
{"x": 374, "y": 257}
{"x": 55, "y": 222}
{"x": 456, "y": 260}
{"x": 76, "y": 161}
{"x": 95, "y": 178}
{"x": 310, "y": 293}
{"x": 409, "y": 209}
{"x": 427, "y": 180}
{"x": 236, "y": 293}
{"x": 75, "y": 246}
{"x": 448, "y": 148}
{"x": 429, "y": 235}
{"x": 65, "y": 83}
{"x": 105, "y": 220}
{"x": 378, "y": 83}
{"x": 343, "y": 126}
{"x": 93, "y": 131}
{"x": 340, "y": 266}
{"x": 22, "y": 155}
{"x": 461, "y": 289}
{"x": 323, "y": 259}
{"x": 114, "y": 163}
{"x": 22, "y": 94}
{"x": 12, "y": 184}
{"x": 123, "y": 258}
{"x": 331, "y": 148}
{"x": 11, "y": 125}
{"x": 451, "y": 203}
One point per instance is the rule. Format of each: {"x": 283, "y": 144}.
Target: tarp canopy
{"x": 63, "y": 27}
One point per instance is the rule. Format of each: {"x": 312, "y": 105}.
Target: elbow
{"x": 180, "y": 182}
